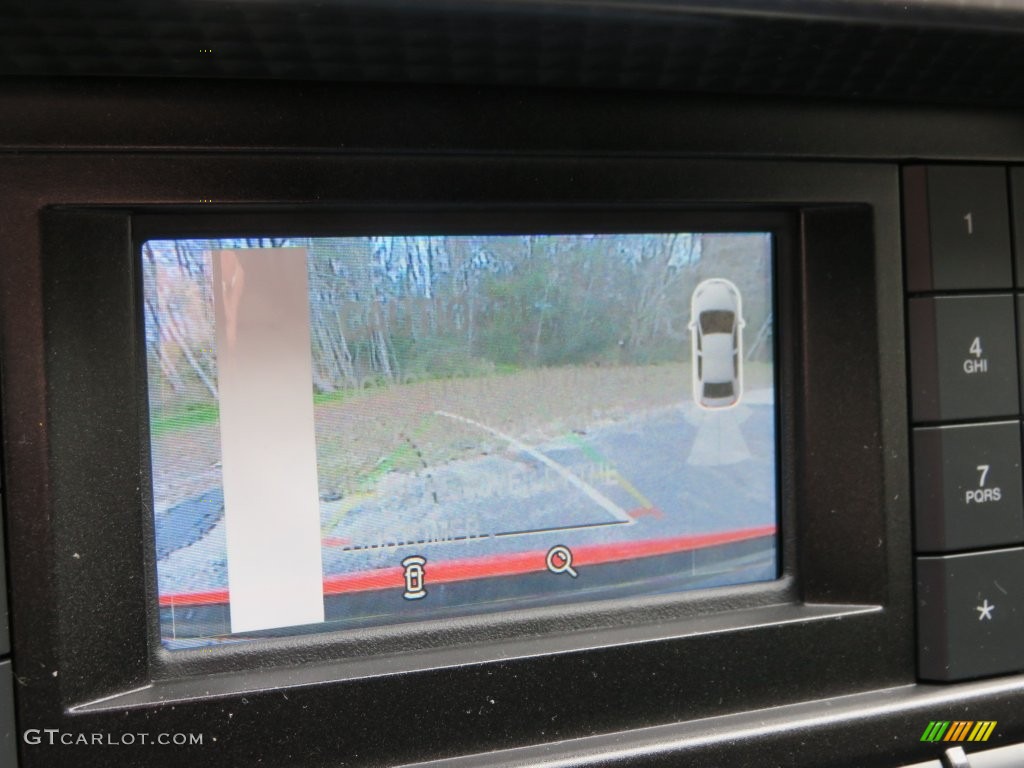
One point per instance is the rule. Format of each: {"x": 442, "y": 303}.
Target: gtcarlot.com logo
{"x": 54, "y": 737}
{"x": 959, "y": 730}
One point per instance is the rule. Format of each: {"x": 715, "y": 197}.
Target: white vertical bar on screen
{"x": 268, "y": 439}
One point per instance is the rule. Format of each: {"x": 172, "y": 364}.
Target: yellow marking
{"x": 610, "y": 472}
{"x": 632, "y": 490}
{"x": 567, "y": 474}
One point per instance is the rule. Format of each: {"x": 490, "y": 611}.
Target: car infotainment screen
{"x": 361, "y": 431}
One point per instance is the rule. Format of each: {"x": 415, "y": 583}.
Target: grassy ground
{"x": 363, "y": 435}
{"x": 187, "y": 418}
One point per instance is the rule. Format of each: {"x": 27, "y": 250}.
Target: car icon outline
{"x": 716, "y": 333}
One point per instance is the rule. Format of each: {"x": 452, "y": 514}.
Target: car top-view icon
{"x": 716, "y": 331}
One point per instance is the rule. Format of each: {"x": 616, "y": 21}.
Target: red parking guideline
{"x": 505, "y": 564}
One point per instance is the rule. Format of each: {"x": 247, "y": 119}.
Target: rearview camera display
{"x": 360, "y": 431}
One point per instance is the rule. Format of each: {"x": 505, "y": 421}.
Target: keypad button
{"x": 970, "y": 615}
{"x": 957, "y": 224}
{"x": 967, "y": 487}
{"x": 1017, "y": 186}
{"x": 1001, "y": 757}
{"x": 963, "y": 358}
{"x": 1020, "y": 342}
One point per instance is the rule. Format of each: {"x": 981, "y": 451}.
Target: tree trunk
{"x": 176, "y": 335}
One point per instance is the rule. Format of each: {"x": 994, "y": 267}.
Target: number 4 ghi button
{"x": 963, "y": 358}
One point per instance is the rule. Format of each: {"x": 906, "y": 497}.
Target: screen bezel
{"x": 73, "y": 484}
{"x": 356, "y": 643}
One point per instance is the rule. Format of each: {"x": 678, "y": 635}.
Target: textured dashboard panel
{"x": 923, "y": 52}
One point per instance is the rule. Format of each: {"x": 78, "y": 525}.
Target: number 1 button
{"x": 957, "y": 224}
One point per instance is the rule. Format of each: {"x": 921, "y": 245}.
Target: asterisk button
{"x": 985, "y": 611}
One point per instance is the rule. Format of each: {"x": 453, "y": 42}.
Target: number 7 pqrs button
{"x": 967, "y": 487}
{"x": 963, "y": 358}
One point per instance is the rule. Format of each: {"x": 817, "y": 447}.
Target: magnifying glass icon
{"x": 559, "y": 560}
